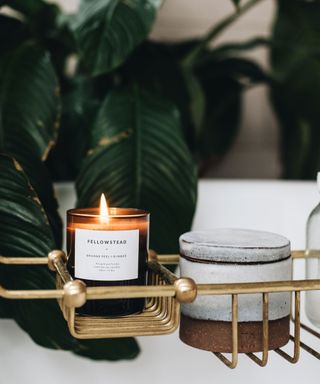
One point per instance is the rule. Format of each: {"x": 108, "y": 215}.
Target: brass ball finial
{"x": 54, "y": 256}
{"x": 186, "y": 290}
{"x": 74, "y": 294}
{"x": 152, "y": 255}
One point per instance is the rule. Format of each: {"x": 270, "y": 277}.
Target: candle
{"x": 108, "y": 246}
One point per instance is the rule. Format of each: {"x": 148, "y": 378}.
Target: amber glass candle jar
{"x": 108, "y": 250}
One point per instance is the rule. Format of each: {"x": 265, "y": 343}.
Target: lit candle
{"x": 108, "y": 246}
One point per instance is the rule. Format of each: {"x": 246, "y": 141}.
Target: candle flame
{"x": 104, "y": 215}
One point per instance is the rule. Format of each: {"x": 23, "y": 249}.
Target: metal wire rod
{"x": 260, "y": 287}
{"x": 23, "y": 260}
{"x": 234, "y": 359}
{"x": 296, "y": 338}
{"x": 31, "y": 294}
{"x": 265, "y": 334}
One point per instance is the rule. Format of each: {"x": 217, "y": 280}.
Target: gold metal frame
{"x": 161, "y": 315}
{"x": 164, "y": 293}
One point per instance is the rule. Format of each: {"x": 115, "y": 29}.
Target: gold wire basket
{"x": 164, "y": 293}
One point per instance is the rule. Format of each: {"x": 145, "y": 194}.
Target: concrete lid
{"x": 234, "y": 246}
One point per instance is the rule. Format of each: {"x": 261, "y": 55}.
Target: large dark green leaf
{"x": 80, "y": 105}
{"x": 197, "y": 100}
{"x": 29, "y": 118}
{"x": 296, "y": 88}
{"x": 233, "y": 49}
{"x": 208, "y": 96}
{"x": 45, "y": 23}
{"x": 29, "y": 102}
{"x": 156, "y": 67}
{"x": 5, "y": 308}
{"x": 222, "y": 115}
{"x": 25, "y": 231}
{"x": 107, "y": 31}
{"x": 215, "y": 84}
{"x": 34, "y": 9}
{"x": 139, "y": 159}
{"x": 223, "y": 76}
{"x": 23, "y": 225}
{"x": 14, "y": 28}
{"x": 220, "y": 63}
{"x": 40, "y": 180}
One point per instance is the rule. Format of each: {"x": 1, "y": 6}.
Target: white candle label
{"x": 106, "y": 255}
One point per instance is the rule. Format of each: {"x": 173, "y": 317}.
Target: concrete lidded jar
{"x": 234, "y": 256}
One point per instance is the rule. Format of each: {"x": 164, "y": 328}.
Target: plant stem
{"x": 189, "y": 60}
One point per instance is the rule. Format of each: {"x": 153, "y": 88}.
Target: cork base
{"x": 216, "y": 336}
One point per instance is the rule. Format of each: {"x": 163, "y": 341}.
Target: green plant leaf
{"x": 214, "y": 91}
{"x": 29, "y": 118}
{"x": 295, "y": 90}
{"x": 107, "y": 31}
{"x": 29, "y": 102}
{"x": 80, "y": 105}
{"x": 24, "y": 227}
{"x": 34, "y": 9}
{"x": 156, "y": 67}
{"x": 223, "y": 76}
{"x": 197, "y": 100}
{"x": 245, "y": 70}
{"x": 44, "y": 23}
{"x": 222, "y": 116}
{"x": 14, "y": 28}
{"x": 139, "y": 159}
{"x": 40, "y": 179}
{"x": 25, "y": 231}
{"x": 233, "y": 49}
{"x": 5, "y": 309}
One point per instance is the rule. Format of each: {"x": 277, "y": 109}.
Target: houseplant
{"x": 132, "y": 120}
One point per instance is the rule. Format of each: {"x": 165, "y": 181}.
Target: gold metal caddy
{"x": 164, "y": 293}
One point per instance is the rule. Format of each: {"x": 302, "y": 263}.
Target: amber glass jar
{"x": 108, "y": 252}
